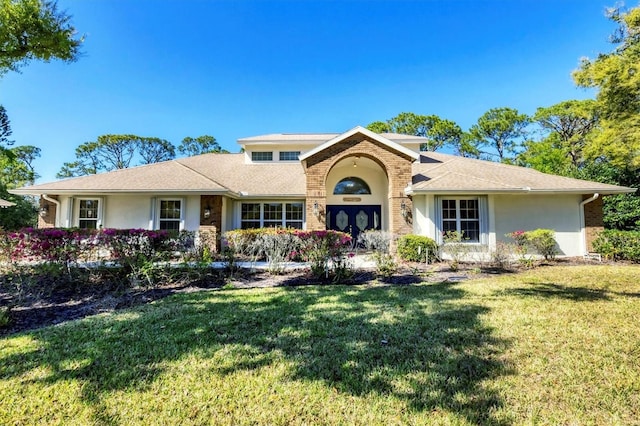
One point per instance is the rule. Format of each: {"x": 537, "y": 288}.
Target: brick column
{"x": 47, "y": 220}
{"x": 593, "y": 220}
{"x": 213, "y": 223}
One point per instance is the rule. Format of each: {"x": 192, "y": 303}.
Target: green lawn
{"x": 555, "y": 345}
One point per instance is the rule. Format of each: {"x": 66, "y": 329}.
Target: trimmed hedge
{"x": 412, "y": 248}
{"x": 618, "y": 245}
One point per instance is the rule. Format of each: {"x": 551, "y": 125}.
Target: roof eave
{"x": 50, "y": 191}
{"x": 246, "y": 196}
{"x": 601, "y": 191}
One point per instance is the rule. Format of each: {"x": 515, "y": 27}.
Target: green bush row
{"x": 618, "y": 245}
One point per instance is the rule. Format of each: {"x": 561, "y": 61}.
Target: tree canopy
{"x": 16, "y": 169}
{"x": 501, "y": 129}
{"x": 616, "y": 77}
{"x": 35, "y": 30}
{"x": 439, "y": 132}
{"x": 569, "y": 124}
{"x": 201, "y": 145}
{"x": 111, "y": 152}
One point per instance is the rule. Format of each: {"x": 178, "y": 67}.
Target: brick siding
{"x": 396, "y": 165}
{"x": 49, "y": 219}
{"x": 593, "y": 221}
{"x": 213, "y": 223}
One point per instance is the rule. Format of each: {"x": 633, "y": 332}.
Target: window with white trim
{"x": 261, "y": 156}
{"x": 294, "y": 215}
{"x": 250, "y": 215}
{"x": 170, "y": 215}
{"x": 462, "y": 215}
{"x": 88, "y": 213}
{"x": 289, "y": 155}
{"x": 272, "y": 214}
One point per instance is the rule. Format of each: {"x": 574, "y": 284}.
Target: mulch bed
{"x": 63, "y": 303}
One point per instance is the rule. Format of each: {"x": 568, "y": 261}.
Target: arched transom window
{"x": 351, "y": 185}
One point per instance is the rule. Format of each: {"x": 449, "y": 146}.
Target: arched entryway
{"x": 357, "y": 195}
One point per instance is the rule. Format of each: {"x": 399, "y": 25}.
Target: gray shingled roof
{"x": 437, "y": 172}
{"x": 229, "y": 174}
{"x": 207, "y": 173}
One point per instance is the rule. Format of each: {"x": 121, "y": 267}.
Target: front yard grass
{"x": 554, "y": 345}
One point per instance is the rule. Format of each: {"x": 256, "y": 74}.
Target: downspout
{"x": 583, "y": 231}
{"x": 57, "y": 203}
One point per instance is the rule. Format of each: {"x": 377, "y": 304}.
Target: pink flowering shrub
{"x": 59, "y": 245}
{"x": 520, "y": 237}
{"x": 323, "y": 249}
{"x": 50, "y": 244}
{"x": 136, "y": 251}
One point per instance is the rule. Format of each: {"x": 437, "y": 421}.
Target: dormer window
{"x": 289, "y": 155}
{"x": 261, "y": 156}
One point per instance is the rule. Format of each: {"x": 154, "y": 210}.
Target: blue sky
{"x": 234, "y": 69}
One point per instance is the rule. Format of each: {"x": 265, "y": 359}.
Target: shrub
{"x": 455, "y": 247}
{"x": 260, "y": 243}
{"x": 277, "y": 247}
{"x": 379, "y": 242}
{"x": 416, "y": 248}
{"x": 241, "y": 242}
{"x": 375, "y": 240}
{"x": 5, "y": 316}
{"x": 501, "y": 257}
{"x": 136, "y": 251}
{"x": 325, "y": 250}
{"x": 542, "y": 241}
{"x": 618, "y": 245}
{"x": 520, "y": 239}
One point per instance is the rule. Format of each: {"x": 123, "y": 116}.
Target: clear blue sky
{"x": 234, "y": 69}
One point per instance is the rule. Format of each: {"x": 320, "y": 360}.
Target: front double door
{"x": 353, "y": 219}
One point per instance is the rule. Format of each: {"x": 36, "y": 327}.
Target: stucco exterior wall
{"x": 528, "y": 212}
{"x": 508, "y": 213}
{"x": 129, "y": 211}
{"x": 423, "y": 215}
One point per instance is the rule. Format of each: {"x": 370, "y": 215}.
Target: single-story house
{"x": 354, "y": 181}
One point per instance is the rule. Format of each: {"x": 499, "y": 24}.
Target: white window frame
{"x": 76, "y": 211}
{"x": 159, "y": 219}
{"x": 482, "y": 219}
{"x": 295, "y": 154}
{"x": 283, "y": 220}
{"x": 261, "y": 160}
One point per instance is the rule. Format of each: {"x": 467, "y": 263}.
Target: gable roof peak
{"x": 366, "y": 132}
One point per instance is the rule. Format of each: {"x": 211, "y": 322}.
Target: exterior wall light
{"x": 207, "y": 212}
{"x": 403, "y": 209}
{"x": 316, "y": 209}
{"x": 44, "y": 210}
